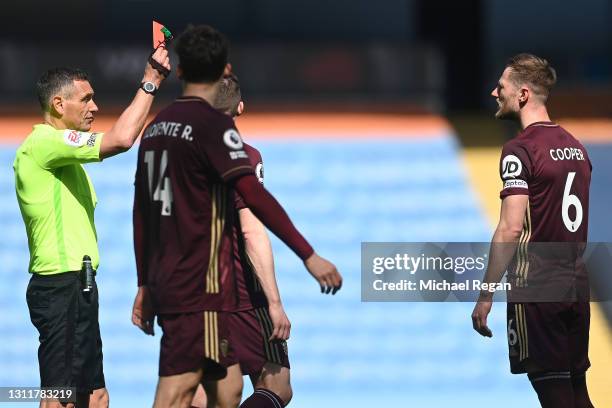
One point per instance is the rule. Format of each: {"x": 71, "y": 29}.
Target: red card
{"x": 158, "y": 35}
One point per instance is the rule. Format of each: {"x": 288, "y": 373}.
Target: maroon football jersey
{"x": 184, "y": 210}
{"x": 249, "y": 293}
{"x": 549, "y": 165}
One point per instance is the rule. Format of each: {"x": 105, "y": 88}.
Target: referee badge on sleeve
{"x": 76, "y": 138}
{"x": 91, "y": 141}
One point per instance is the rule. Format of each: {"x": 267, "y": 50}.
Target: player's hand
{"x": 479, "y": 317}
{"x": 280, "y": 322}
{"x": 325, "y": 273}
{"x": 142, "y": 312}
{"x": 151, "y": 74}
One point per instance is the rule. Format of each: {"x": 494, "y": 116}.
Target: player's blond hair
{"x": 534, "y": 71}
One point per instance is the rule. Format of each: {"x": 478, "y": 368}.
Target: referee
{"x": 57, "y": 201}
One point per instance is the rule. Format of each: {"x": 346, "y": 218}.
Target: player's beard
{"x": 505, "y": 113}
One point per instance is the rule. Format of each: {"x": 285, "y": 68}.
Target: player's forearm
{"x": 259, "y": 251}
{"x": 272, "y": 215}
{"x": 125, "y": 131}
{"x": 503, "y": 248}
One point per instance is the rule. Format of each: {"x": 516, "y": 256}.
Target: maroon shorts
{"x": 548, "y": 337}
{"x": 195, "y": 340}
{"x": 249, "y": 334}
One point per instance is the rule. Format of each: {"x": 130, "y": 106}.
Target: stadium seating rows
{"x": 343, "y": 352}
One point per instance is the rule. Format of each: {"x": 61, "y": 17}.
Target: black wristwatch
{"x": 148, "y": 87}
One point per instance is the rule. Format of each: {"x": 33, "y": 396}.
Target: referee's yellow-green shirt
{"x": 56, "y": 197}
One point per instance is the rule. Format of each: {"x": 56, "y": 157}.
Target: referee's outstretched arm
{"x": 124, "y": 132}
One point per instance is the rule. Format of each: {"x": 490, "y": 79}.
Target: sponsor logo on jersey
{"x": 511, "y": 166}
{"x": 75, "y": 138}
{"x": 232, "y": 139}
{"x": 259, "y": 172}
{"x": 515, "y": 184}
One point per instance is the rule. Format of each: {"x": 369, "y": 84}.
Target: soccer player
{"x": 259, "y": 326}
{"x": 190, "y": 162}
{"x": 57, "y": 201}
{"x": 546, "y": 174}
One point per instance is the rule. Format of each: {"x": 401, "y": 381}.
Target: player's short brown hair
{"x": 534, "y": 71}
{"x": 202, "y": 52}
{"x": 229, "y": 96}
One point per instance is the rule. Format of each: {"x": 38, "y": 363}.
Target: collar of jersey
{"x": 191, "y": 99}
{"x": 543, "y": 123}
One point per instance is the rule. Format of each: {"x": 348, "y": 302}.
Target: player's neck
{"x": 208, "y": 92}
{"x": 54, "y": 121}
{"x": 533, "y": 115}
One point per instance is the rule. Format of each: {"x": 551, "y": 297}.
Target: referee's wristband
{"x": 148, "y": 87}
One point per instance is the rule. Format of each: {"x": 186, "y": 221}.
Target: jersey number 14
{"x": 163, "y": 188}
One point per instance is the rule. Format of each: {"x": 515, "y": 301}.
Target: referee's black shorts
{"x": 70, "y": 351}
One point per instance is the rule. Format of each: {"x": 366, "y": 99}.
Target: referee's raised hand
{"x": 158, "y": 66}
{"x": 325, "y": 273}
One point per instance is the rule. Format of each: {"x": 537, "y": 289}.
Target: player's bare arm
{"x": 271, "y": 213}
{"x": 507, "y": 234}
{"x": 259, "y": 251}
{"x": 124, "y": 132}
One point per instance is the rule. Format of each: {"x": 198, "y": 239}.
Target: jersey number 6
{"x": 571, "y": 200}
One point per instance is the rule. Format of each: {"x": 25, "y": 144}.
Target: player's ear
{"x": 523, "y": 95}
{"x": 228, "y": 70}
{"x": 240, "y": 108}
{"x": 57, "y": 105}
{"x": 179, "y": 72}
